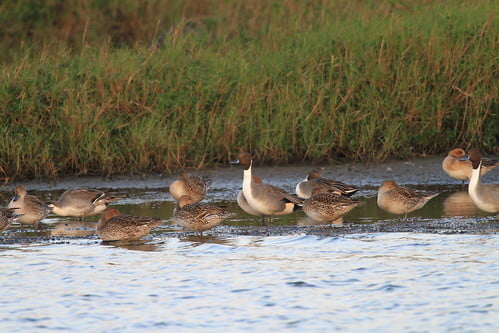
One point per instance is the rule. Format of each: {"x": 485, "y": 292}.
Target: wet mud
{"x": 450, "y": 212}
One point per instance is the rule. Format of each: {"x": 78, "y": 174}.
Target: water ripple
{"x": 253, "y": 283}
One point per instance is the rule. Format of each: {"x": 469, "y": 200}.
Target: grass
{"x": 287, "y": 80}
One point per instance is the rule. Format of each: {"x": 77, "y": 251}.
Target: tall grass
{"x": 287, "y": 80}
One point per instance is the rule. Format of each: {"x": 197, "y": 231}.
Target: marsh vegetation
{"x": 128, "y": 87}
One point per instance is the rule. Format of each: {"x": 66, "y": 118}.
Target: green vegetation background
{"x": 118, "y": 87}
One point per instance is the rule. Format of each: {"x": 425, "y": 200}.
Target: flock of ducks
{"x": 323, "y": 200}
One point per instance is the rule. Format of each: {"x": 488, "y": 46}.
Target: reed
{"x": 288, "y": 80}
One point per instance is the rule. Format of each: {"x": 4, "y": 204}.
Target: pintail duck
{"x": 267, "y": 200}
{"x": 457, "y": 167}
{"x": 396, "y": 199}
{"x": 7, "y": 215}
{"x": 328, "y": 207}
{"x": 193, "y": 186}
{"x": 198, "y": 216}
{"x": 82, "y": 202}
{"x": 485, "y": 196}
{"x": 243, "y": 203}
{"x": 314, "y": 180}
{"x": 31, "y": 209}
{"x": 113, "y": 226}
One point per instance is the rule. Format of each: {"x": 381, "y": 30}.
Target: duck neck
{"x": 475, "y": 178}
{"x": 55, "y": 209}
{"x": 247, "y": 181}
{"x": 298, "y": 190}
{"x": 101, "y": 223}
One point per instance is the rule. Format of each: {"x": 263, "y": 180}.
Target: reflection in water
{"x": 18, "y": 230}
{"x": 199, "y": 240}
{"x": 74, "y": 229}
{"x": 137, "y": 245}
{"x": 305, "y": 220}
{"x": 459, "y": 204}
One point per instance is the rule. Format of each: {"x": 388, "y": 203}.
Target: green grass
{"x": 286, "y": 80}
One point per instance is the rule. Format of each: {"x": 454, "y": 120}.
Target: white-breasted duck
{"x": 268, "y": 200}
{"x": 484, "y": 196}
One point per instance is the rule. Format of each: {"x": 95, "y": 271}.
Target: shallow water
{"x": 379, "y": 282}
{"x": 434, "y": 271}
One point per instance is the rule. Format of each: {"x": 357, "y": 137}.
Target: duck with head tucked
{"x": 484, "y": 196}
{"x": 397, "y": 199}
{"x": 7, "y": 216}
{"x": 193, "y": 186}
{"x": 458, "y": 167}
{"x": 31, "y": 209}
{"x": 267, "y": 200}
{"x": 114, "y": 226}
{"x": 198, "y": 216}
{"x": 328, "y": 207}
{"x": 82, "y": 202}
{"x": 314, "y": 180}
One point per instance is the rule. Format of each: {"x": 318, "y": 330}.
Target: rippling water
{"x": 429, "y": 279}
{"x": 378, "y": 282}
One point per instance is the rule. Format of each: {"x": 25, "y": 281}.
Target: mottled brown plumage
{"x": 396, "y": 199}
{"x": 31, "y": 209}
{"x": 197, "y": 216}
{"x": 7, "y": 215}
{"x": 114, "y": 226}
{"x": 328, "y": 207}
{"x": 193, "y": 186}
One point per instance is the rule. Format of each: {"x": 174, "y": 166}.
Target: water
{"x": 440, "y": 274}
{"x": 379, "y": 282}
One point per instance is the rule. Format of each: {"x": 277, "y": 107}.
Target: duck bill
{"x": 234, "y": 162}
{"x": 15, "y": 197}
{"x": 476, "y": 164}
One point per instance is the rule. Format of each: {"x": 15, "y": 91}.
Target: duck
{"x": 186, "y": 184}
{"x": 82, "y": 202}
{"x": 458, "y": 167}
{"x": 328, "y": 207}
{"x": 31, "y": 209}
{"x": 243, "y": 203}
{"x": 113, "y": 226}
{"x": 198, "y": 216}
{"x": 7, "y": 216}
{"x": 268, "y": 200}
{"x": 315, "y": 180}
{"x": 484, "y": 196}
{"x": 397, "y": 199}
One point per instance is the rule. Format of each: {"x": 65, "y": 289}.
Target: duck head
{"x": 244, "y": 159}
{"x": 474, "y": 156}
{"x": 19, "y": 191}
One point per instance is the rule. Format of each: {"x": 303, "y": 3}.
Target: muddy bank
{"x": 450, "y": 212}
{"x": 475, "y": 226}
